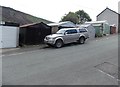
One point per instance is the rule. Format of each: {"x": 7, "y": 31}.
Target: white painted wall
{"x": 10, "y": 36}
{"x": 111, "y": 17}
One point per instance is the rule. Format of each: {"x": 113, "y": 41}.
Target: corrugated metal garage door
{"x": 9, "y": 36}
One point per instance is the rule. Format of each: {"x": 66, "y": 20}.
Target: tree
{"x": 78, "y": 17}
{"x": 71, "y": 16}
{"x": 83, "y": 16}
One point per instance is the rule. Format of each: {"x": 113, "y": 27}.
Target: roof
{"x": 27, "y": 25}
{"x": 66, "y": 23}
{"x": 68, "y": 28}
{"x": 96, "y": 22}
{"x": 53, "y": 24}
{"x": 108, "y": 9}
{"x": 84, "y": 25}
{"x": 4, "y": 23}
{"x": 10, "y": 14}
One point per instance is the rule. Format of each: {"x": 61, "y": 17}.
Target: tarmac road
{"x": 92, "y": 63}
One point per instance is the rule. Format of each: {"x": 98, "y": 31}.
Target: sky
{"x": 54, "y": 10}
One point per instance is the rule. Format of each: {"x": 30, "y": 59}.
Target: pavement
{"x": 22, "y": 49}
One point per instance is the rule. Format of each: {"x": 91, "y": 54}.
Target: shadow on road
{"x": 66, "y": 45}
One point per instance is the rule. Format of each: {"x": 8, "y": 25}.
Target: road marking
{"x": 108, "y": 74}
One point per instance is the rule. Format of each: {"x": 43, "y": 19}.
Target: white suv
{"x": 67, "y": 35}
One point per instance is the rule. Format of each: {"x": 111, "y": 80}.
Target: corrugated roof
{"x": 53, "y": 24}
{"x": 85, "y": 25}
{"x": 95, "y": 22}
{"x": 26, "y": 25}
{"x": 66, "y": 23}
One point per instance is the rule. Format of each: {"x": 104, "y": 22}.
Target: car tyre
{"x": 81, "y": 40}
{"x": 58, "y": 43}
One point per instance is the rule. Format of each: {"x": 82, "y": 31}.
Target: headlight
{"x": 49, "y": 38}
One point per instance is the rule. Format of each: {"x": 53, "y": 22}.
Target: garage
{"x": 57, "y": 26}
{"x": 90, "y": 28}
{"x": 9, "y": 34}
{"x": 33, "y": 34}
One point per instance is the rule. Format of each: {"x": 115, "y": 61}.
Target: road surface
{"x": 92, "y": 63}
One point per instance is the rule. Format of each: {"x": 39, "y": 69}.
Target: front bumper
{"x": 50, "y": 41}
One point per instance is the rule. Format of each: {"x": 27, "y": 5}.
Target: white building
{"x": 111, "y": 16}
{"x": 9, "y": 35}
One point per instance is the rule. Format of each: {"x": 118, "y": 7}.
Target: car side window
{"x": 82, "y": 30}
{"x": 71, "y": 31}
{"x": 68, "y": 32}
{"x": 74, "y": 31}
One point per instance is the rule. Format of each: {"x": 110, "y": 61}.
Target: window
{"x": 71, "y": 31}
{"x": 60, "y": 31}
{"x": 82, "y": 30}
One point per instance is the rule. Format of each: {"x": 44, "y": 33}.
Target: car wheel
{"x": 82, "y": 40}
{"x": 59, "y": 44}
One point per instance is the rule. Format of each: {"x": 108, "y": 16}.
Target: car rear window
{"x": 82, "y": 30}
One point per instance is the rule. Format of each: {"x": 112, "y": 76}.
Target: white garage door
{"x": 9, "y": 37}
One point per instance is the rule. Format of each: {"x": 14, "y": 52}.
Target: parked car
{"x": 67, "y": 35}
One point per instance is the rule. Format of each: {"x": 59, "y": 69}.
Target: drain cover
{"x": 108, "y": 68}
